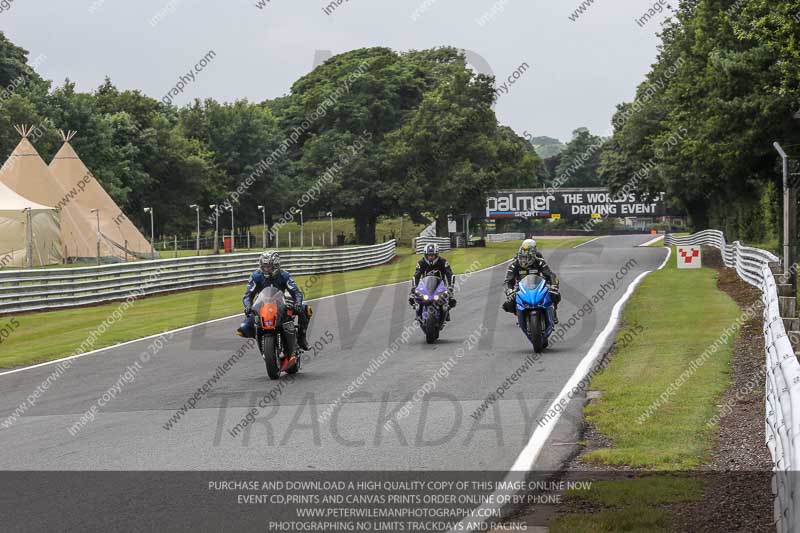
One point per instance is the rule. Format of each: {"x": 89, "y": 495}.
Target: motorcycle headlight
{"x": 436, "y": 298}
{"x": 425, "y": 297}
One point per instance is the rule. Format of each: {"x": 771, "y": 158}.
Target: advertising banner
{"x": 571, "y": 204}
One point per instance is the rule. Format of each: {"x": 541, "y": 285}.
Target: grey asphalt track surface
{"x": 439, "y": 432}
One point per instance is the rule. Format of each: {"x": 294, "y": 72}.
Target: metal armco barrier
{"x": 505, "y": 237}
{"x": 30, "y": 290}
{"x": 420, "y": 242}
{"x": 782, "y": 417}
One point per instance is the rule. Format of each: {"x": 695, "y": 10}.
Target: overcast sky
{"x": 578, "y": 70}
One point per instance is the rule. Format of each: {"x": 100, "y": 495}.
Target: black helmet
{"x": 270, "y": 263}
{"x": 431, "y": 253}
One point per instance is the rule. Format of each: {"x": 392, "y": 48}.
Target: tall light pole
{"x": 330, "y": 214}
{"x": 789, "y": 219}
{"x": 233, "y": 232}
{"x": 302, "y": 227}
{"x": 216, "y": 228}
{"x": 28, "y": 237}
{"x": 264, "y": 218}
{"x": 97, "y": 212}
{"x": 197, "y": 209}
{"x": 152, "y": 233}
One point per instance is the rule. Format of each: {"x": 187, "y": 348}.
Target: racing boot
{"x": 247, "y": 328}
{"x": 302, "y": 342}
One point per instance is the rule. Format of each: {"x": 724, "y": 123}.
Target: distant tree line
{"x": 725, "y": 85}
{"x": 391, "y": 133}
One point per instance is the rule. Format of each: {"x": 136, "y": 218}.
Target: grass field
{"x": 679, "y": 315}
{"x": 67, "y": 329}
{"x": 404, "y": 230}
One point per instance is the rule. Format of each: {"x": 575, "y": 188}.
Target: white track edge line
{"x": 530, "y": 453}
{"x": 590, "y": 241}
{"x": 669, "y": 253}
{"x": 528, "y": 456}
{"x": 651, "y": 241}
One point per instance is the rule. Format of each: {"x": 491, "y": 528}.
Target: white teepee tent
{"x": 22, "y": 220}
{"x": 116, "y": 229}
{"x": 27, "y": 175}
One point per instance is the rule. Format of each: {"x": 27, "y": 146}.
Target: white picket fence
{"x": 782, "y": 413}
{"x": 37, "y": 289}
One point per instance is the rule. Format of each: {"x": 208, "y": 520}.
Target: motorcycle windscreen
{"x": 531, "y": 282}
{"x": 431, "y": 285}
{"x": 533, "y": 290}
{"x": 270, "y": 295}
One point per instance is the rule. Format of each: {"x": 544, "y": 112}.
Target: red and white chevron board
{"x": 689, "y": 257}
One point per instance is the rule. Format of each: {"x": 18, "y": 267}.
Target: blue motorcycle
{"x": 432, "y": 304}
{"x": 535, "y": 310}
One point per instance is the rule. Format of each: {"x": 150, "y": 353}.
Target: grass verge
{"x": 45, "y": 336}
{"x": 655, "y": 402}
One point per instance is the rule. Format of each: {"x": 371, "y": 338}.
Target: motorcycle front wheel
{"x": 431, "y": 327}
{"x": 269, "y": 350}
{"x": 536, "y": 331}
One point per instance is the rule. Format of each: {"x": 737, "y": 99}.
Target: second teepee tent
{"x": 116, "y": 229}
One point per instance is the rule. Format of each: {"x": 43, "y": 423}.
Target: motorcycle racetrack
{"x": 371, "y": 395}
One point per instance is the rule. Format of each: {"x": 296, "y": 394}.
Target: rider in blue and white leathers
{"x": 271, "y": 275}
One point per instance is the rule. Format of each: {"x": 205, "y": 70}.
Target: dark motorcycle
{"x": 276, "y": 333}
{"x": 432, "y": 304}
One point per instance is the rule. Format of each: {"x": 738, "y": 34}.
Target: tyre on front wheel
{"x": 431, "y": 327}
{"x": 536, "y": 331}
{"x": 270, "y": 353}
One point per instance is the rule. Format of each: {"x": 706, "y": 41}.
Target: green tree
{"x": 724, "y": 86}
{"x": 580, "y": 160}
{"x": 546, "y": 147}
{"x": 238, "y": 137}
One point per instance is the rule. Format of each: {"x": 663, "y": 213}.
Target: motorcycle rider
{"x": 433, "y": 264}
{"x": 530, "y": 261}
{"x": 270, "y": 274}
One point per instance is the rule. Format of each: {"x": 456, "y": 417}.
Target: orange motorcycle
{"x": 276, "y": 333}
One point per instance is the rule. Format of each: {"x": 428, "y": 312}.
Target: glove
{"x": 298, "y": 307}
{"x": 509, "y": 293}
{"x": 248, "y": 309}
